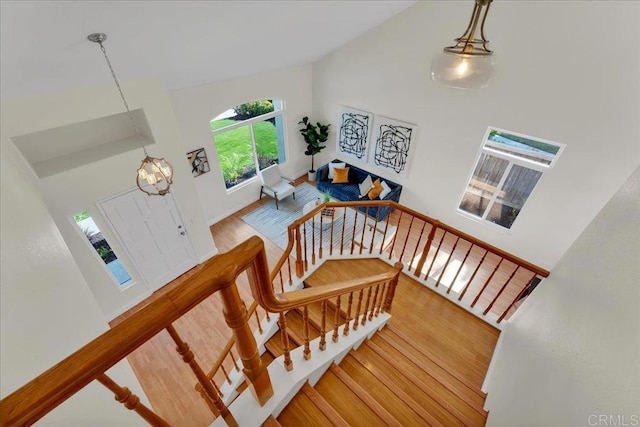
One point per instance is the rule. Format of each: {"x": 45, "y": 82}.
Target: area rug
{"x": 272, "y": 222}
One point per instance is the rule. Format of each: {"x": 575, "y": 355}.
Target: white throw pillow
{"x": 365, "y": 186}
{"x": 335, "y": 165}
{"x": 385, "y": 190}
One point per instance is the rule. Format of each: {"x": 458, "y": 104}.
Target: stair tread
{"x": 324, "y": 406}
{"x": 439, "y": 401}
{"x": 442, "y": 372}
{"x": 346, "y": 402}
{"x": 398, "y": 404}
{"x": 302, "y": 411}
{"x": 271, "y": 422}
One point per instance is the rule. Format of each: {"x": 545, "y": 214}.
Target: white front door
{"x": 153, "y": 235}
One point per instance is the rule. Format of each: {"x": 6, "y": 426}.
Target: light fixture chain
{"x": 126, "y": 105}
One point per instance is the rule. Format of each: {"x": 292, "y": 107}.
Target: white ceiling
{"x": 44, "y": 47}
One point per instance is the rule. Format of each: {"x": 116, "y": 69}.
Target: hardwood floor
{"x": 454, "y": 336}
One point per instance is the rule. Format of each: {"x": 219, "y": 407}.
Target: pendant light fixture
{"x": 155, "y": 176}
{"x": 469, "y": 63}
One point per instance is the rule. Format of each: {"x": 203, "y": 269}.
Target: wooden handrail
{"x": 280, "y": 302}
{"x": 41, "y": 395}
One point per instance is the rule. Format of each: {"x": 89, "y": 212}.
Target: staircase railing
{"x": 35, "y": 399}
{"x": 482, "y": 278}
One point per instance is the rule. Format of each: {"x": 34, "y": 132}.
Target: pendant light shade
{"x": 154, "y": 176}
{"x": 462, "y": 71}
{"x": 469, "y": 63}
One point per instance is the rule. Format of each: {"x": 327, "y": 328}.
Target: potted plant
{"x": 314, "y": 136}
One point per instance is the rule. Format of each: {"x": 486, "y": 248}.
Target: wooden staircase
{"x": 389, "y": 380}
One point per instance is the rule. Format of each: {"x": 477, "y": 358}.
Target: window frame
{"x": 250, "y": 122}
{"x": 512, "y": 160}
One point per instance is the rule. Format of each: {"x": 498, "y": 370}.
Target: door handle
{"x": 182, "y": 233}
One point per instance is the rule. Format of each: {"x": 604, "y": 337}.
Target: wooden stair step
{"x": 444, "y": 373}
{"x": 385, "y": 391}
{"x": 295, "y": 327}
{"x": 416, "y": 385}
{"x": 315, "y": 316}
{"x": 346, "y": 401}
{"x": 271, "y": 422}
{"x": 303, "y": 411}
{"x": 457, "y": 357}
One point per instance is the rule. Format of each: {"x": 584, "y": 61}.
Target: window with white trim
{"x": 507, "y": 170}
{"x": 248, "y": 138}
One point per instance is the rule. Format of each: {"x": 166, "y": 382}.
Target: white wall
{"x": 197, "y": 106}
{"x": 564, "y": 73}
{"x": 46, "y": 308}
{"x": 572, "y": 350}
{"x": 78, "y": 189}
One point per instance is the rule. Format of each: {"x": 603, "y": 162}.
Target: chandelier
{"x": 154, "y": 176}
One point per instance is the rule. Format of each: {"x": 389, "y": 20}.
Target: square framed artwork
{"x": 198, "y": 161}
{"x": 354, "y": 130}
{"x": 392, "y": 145}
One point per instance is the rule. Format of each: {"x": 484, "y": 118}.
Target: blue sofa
{"x": 351, "y": 192}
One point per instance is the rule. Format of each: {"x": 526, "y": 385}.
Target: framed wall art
{"x": 354, "y": 129}
{"x": 391, "y": 145}
{"x": 198, "y": 161}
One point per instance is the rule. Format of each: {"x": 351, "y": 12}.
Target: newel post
{"x": 235, "y": 314}
{"x": 391, "y": 290}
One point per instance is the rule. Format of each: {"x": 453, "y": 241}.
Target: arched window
{"x": 248, "y": 138}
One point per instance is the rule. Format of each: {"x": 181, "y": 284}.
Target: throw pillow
{"x": 333, "y": 166}
{"x": 365, "y": 186}
{"x": 376, "y": 190}
{"x": 385, "y": 190}
{"x": 340, "y": 176}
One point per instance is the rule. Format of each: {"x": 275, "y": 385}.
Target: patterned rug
{"x": 272, "y": 222}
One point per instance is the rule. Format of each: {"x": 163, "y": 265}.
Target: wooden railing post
{"x": 131, "y": 401}
{"x": 391, "y": 289}
{"x": 235, "y": 315}
{"x": 187, "y": 355}
{"x": 299, "y": 260}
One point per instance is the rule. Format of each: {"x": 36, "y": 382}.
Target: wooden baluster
{"x": 435, "y": 255}
{"x": 391, "y": 290}
{"x": 321, "y": 231}
{"x": 486, "y": 283}
{"x": 375, "y": 299}
{"x": 406, "y": 239}
{"x": 415, "y": 250}
{"x": 281, "y": 281}
{"x": 364, "y": 228}
{"x": 187, "y": 355}
{"x": 225, "y": 373}
{"x": 336, "y": 321}
{"x": 344, "y": 224}
{"x": 501, "y": 290}
{"x": 305, "y": 333}
{"x": 304, "y": 230}
{"x": 233, "y": 358}
{"x": 266, "y": 314}
{"x": 459, "y": 268}
{"x": 374, "y": 230}
{"x": 333, "y": 221}
{"x": 358, "y": 307}
{"x": 203, "y": 395}
{"x": 258, "y": 320}
{"x": 384, "y": 235}
{"x": 395, "y": 236}
{"x": 289, "y": 269}
{"x": 473, "y": 275}
{"x": 282, "y": 322}
{"x": 383, "y": 288}
{"x": 366, "y": 306}
{"x": 235, "y": 316}
{"x": 345, "y": 331}
{"x": 425, "y": 250}
{"x": 313, "y": 240}
{"x": 131, "y": 401}
{"x": 323, "y": 326}
{"x": 299, "y": 261}
{"x": 353, "y": 233}
{"x": 444, "y": 267}
{"x": 517, "y": 298}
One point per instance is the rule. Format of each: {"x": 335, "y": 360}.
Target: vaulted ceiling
{"x": 44, "y": 46}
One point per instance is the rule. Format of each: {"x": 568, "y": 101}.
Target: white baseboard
{"x": 146, "y": 294}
